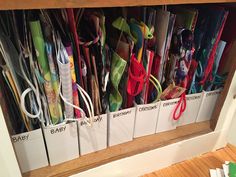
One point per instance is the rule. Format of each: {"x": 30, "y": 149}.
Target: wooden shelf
{"x": 37, "y": 4}
{"x": 138, "y": 145}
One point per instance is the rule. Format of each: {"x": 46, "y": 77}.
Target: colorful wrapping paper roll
{"x": 39, "y": 45}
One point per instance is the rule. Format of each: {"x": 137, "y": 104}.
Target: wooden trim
{"x": 231, "y": 147}
{"x": 222, "y": 98}
{"x": 197, "y": 166}
{"x": 138, "y": 145}
{"x": 37, "y": 4}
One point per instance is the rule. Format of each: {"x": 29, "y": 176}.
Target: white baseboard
{"x": 147, "y": 162}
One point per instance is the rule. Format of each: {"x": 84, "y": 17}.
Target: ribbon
{"x": 181, "y": 106}
{"x": 157, "y": 86}
{"x": 208, "y": 70}
{"x": 121, "y": 24}
{"x": 154, "y": 72}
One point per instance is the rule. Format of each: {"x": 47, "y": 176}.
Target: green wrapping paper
{"x": 117, "y": 69}
{"x": 40, "y": 49}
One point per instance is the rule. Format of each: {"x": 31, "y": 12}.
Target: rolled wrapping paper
{"x": 73, "y": 77}
{"x": 117, "y": 69}
{"x": 150, "y": 55}
{"x": 66, "y": 81}
{"x": 138, "y": 34}
{"x": 72, "y": 24}
{"x": 39, "y": 46}
{"x": 52, "y": 68}
{"x": 54, "y": 77}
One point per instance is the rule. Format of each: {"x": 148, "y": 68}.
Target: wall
{"x": 227, "y": 118}
{"x": 232, "y": 131}
{"x": 159, "y": 158}
{"x": 8, "y": 162}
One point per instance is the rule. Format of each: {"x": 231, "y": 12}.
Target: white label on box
{"x": 165, "y": 119}
{"x": 193, "y": 103}
{"x": 30, "y": 150}
{"x": 208, "y": 105}
{"x": 121, "y": 126}
{"x": 93, "y": 138}
{"x": 62, "y": 142}
{"x": 146, "y": 119}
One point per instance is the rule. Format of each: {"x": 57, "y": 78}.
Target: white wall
{"x": 147, "y": 162}
{"x": 229, "y": 108}
{"x": 227, "y": 118}
{"x": 8, "y": 162}
{"x": 232, "y": 131}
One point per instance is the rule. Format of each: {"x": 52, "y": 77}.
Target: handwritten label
{"x": 98, "y": 119}
{"x": 148, "y": 108}
{"x": 170, "y": 103}
{"x": 20, "y": 138}
{"x": 212, "y": 94}
{"x": 58, "y": 130}
{"x": 193, "y": 98}
{"x": 121, "y": 114}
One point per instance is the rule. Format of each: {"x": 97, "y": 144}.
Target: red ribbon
{"x": 211, "y": 60}
{"x": 181, "y": 106}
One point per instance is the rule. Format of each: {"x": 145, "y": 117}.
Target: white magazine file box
{"x": 146, "y": 119}
{"x": 30, "y": 150}
{"x": 193, "y": 103}
{"x": 93, "y": 138}
{"x": 121, "y": 126}
{"x": 62, "y": 142}
{"x": 165, "y": 119}
{"x": 208, "y": 105}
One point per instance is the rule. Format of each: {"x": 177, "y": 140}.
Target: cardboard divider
{"x": 30, "y": 150}
{"x": 165, "y": 119}
{"x": 121, "y": 126}
{"x": 146, "y": 119}
{"x": 193, "y": 103}
{"x": 93, "y": 138}
{"x": 62, "y": 142}
{"x": 208, "y": 105}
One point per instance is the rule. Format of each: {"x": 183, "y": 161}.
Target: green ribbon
{"x": 121, "y": 24}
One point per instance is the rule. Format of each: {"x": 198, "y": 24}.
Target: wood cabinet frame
{"x": 138, "y": 145}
